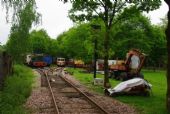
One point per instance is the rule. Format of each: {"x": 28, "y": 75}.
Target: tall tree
{"x": 39, "y": 41}
{"x": 132, "y": 32}
{"x": 167, "y": 32}
{"x": 16, "y": 6}
{"x": 75, "y": 43}
{"x": 24, "y": 14}
{"x": 108, "y": 11}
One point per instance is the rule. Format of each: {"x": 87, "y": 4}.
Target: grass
{"x": 155, "y": 104}
{"x": 16, "y": 90}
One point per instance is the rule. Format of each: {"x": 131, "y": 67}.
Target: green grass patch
{"x": 86, "y": 79}
{"x": 155, "y": 104}
{"x": 16, "y": 90}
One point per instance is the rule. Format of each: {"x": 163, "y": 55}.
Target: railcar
{"x": 61, "y": 62}
{"x": 38, "y": 60}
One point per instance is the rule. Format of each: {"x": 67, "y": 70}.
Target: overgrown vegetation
{"x": 78, "y": 42}
{"x": 24, "y": 15}
{"x": 155, "y": 104}
{"x": 123, "y": 28}
{"x": 16, "y": 90}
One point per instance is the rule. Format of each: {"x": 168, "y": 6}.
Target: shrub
{"x": 16, "y": 90}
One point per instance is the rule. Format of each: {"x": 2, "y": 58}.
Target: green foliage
{"x": 17, "y": 6}
{"x": 134, "y": 32}
{"x": 40, "y": 41}
{"x": 164, "y": 22}
{"x": 158, "y": 54}
{"x": 106, "y": 9}
{"x": 76, "y": 43}
{"x": 145, "y": 105}
{"x": 86, "y": 79}
{"x": 53, "y": 47}
{"x": 1, "y": 48}
{"x": 18, "y": 43}
{"x": 17, "y": 89}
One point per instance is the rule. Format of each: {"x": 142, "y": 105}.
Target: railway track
{"x": 67, "y": 97}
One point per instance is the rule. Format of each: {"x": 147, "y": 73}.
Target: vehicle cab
{"x": 61, "y": 62}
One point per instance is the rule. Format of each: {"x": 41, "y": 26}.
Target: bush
{"x": 16, "y": 90}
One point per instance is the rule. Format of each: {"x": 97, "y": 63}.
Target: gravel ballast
{"x": 40, "y": 101}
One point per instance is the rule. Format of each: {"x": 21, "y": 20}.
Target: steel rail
{"x": 91, "y": 100}
{"x": 49, "y": 85}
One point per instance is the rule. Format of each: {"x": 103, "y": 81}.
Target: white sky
{"x": 55, "y": 19}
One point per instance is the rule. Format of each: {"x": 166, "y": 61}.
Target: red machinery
{"x": 130, "y": 68}
{"x": 36, "y": 60}
{"x": 39, "y": 64}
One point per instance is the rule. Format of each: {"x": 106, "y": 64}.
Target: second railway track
{"x": 67, "y": 97}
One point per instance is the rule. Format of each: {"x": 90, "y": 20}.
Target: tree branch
{"x": 113, "y": 13}
{"x": 119, "y": 19}
{"x": 119, "y": 8}
{"x": 102, "y": 3}
{"x": 96, "y": 12}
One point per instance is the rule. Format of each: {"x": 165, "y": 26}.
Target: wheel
{"x": 123, "y": 76}
{"x": 116, "y": 75}
{"x": 112, "y": 74}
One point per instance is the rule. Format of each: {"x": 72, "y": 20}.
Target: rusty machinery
{"x": 123, "y": 70}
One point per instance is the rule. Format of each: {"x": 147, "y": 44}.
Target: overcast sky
{"x": 55, "y": 19}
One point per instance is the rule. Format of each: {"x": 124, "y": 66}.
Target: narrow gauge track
{"x": 69, "y": 99}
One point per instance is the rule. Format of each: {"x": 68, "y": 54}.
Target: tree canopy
{"x": 108, "y": 11}
{"x": 23, "y": 17}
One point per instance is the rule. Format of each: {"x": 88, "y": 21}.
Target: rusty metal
{"x": 91, "y": 100}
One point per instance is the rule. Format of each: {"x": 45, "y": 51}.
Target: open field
{"x": 155, "y": 104}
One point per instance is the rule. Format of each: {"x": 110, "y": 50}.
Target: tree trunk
{"x": 168, "y": 64}
{"x": 106, "y": 57}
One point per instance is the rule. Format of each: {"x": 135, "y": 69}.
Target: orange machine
{"x": 130, "y": 68}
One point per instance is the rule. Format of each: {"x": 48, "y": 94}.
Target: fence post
{"x": 5, "y": 66}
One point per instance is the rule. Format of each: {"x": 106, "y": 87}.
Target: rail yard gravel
{"x": 40, "y": 101}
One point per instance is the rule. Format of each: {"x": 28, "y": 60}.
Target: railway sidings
{"x": 60, "y": 94}
{"x": 67, "y": 97}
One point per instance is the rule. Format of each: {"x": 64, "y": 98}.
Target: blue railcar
{"x": 48, "y": 60}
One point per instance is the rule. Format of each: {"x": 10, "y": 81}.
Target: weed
{"x": 16, "y": 90}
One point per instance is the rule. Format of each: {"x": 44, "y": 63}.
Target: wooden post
{"x": 5, "y": 66}
{"x": 95, "y": 28}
